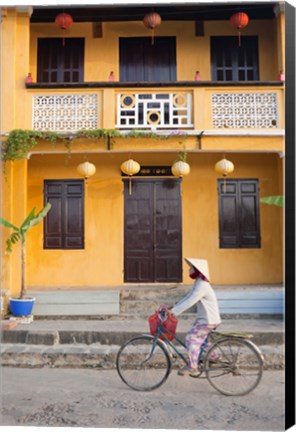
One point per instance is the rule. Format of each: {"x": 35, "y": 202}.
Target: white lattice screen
{"x": 244, "y": 110}
{"x": 65, "y": 112}
{"x": 154, "y": 110}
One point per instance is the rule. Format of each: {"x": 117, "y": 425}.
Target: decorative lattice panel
{"x": 244, "y": 110}
{"x": 154, "y": 110}
{"x": 65, "y": 112}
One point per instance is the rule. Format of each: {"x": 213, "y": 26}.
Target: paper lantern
{"x": 239, "y": 20}
{"x": 130, "y": 167}
{"x": 86, "y": 169}
{"x": 152, "y": 20}
{"x": 224, "y": 167}
{"x": 64, "y": 22}
{"x": 180, "y": 169}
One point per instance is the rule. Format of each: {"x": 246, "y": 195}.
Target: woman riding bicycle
{"x": 208, "y": 316}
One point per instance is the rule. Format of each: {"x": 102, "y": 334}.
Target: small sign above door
{"x": 153, "y": 171}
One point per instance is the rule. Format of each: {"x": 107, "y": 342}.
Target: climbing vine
{"x": 20, "y": 142}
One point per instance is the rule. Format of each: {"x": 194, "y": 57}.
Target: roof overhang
{"x": 201, "y": 11}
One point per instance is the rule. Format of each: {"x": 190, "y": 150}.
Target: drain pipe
{"x": 199, "y": 146}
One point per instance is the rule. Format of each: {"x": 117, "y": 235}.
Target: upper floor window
{"x": 60, "y": 61}
{"x": 239, "y": 224}
{"x": 141, "y": 61}
{"x": 231, "y": 62}
{"x": 64, "y": 224}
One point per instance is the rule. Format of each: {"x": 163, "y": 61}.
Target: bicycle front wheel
{"x": 143, "y": 363}
{"x": 234, "y": 366}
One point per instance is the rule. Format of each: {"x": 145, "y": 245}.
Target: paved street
{"x": 92, "y": 398}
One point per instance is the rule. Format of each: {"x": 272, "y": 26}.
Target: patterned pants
{"x": 194, "y": 340}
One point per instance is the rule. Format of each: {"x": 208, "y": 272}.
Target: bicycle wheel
{"x": 143, "y": 364}
{"x": 234, "y": 366}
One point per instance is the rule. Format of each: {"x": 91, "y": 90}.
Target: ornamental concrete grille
{"x": 154, "y": 110}
{"x": 60, "y": 113}
{"x": 244, "y": 110}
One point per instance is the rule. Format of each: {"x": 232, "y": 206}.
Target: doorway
{"x": 152, "y": 230}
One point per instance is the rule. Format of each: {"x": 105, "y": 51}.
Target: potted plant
{"x": 22, "y": 306}
{"x": 181, "y": 167}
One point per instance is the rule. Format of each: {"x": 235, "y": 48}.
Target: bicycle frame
{"x": 163, "y": 336}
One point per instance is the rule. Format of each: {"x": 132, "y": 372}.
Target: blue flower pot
{"x": 21, "y": 307}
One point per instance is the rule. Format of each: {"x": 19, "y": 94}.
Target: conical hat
{"x": 199, "y": 264}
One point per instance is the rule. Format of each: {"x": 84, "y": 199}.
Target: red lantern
{"x": 64, "y": 22}
{"x": 152, "y": 21}
{"x": 239, "y": 20}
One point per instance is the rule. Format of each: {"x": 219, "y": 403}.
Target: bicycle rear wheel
{"x": 238, "y": 366}
{"x": 143, "y": 364}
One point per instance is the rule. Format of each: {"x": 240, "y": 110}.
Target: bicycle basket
{"x": 170, "y": 324}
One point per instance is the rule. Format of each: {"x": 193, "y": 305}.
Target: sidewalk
{"x": 95, "y": 342}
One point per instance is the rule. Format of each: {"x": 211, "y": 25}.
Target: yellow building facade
{"x": 114, "y": 230}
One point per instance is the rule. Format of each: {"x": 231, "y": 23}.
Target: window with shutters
{"x": 64, "y": 224}
{"x": 231, "y": 62}
{"x": 59, "y": 61}
{"x": 239, "y": 223}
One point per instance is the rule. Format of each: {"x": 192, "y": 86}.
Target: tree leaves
{"x": 19, "y": 234}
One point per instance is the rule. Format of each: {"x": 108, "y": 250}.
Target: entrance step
{"x": 144, "y": 300}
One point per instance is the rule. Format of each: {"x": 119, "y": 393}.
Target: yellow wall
{"x": 101, "y": 263}
{"x": 193, "y": 53}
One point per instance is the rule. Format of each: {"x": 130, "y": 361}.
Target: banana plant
{"x": 277, "y": 200}
{"x": 19, "y": 235}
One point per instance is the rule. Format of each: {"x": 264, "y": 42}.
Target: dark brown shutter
{"x": 142, "y": 61}
{"x": 239, "y": 214}
{"x": 58, "y": 62}
{"x": 64, "y": 224}
{"x": 233, "y": 63}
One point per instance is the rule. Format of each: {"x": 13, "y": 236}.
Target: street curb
{"x": 95, "y": 356}
{"x": 88, "y": 337}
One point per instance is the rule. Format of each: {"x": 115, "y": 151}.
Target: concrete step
{"x": 95, "y": 343}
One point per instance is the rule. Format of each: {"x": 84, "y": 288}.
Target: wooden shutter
{"x": 142, "y": 61}
{"x": 64, "y": 224}
{"x": 239, "y": 214}
{"x": 233, "y": 63}
{"x": 60, "y": 63}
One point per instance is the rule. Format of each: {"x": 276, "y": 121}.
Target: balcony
{"x": 181, "y": 107}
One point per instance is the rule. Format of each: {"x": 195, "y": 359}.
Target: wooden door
{"x": 152, "y": 231}
{"x": 142, "y": 61}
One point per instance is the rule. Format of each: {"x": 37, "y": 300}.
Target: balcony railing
{"x": 244, "y": 110}
{"x": 198, "y": 109}
{"x": 65, "y": 112}
{"x": 154, "y": 110}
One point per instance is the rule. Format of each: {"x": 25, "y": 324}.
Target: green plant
{"x": 19, "y": 234}
{"x": 276, "y": 200}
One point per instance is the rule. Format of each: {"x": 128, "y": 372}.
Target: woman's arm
{"x": 190, "y": 299}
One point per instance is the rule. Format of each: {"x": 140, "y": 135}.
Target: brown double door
{"x": 152, "y": 231}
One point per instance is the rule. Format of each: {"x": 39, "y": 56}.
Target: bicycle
{"x": 232, "y": 363}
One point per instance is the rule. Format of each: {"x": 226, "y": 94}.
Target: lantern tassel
{"x": 239, "y": 38}
{"x": 152, "y": 42}
{"x": 130, "y": 186}
{"x": 224, "y": 185}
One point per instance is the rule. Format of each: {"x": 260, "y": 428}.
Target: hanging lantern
{"x": 130, "y": 167}
{"x": 86, "y": 170}
{"x": 152, "y": 20}
{"x": 224, "y": 167}
{"x": 64, "y": 22}
{"x": 239, "y": 20}
{"x": 180, "y": 169}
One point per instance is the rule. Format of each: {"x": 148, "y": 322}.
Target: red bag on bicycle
{"x": 170, "y": 323}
